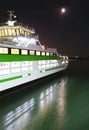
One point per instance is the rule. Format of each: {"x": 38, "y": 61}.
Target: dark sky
{"x": 68, "y": 33}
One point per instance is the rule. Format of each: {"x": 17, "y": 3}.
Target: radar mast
{"x": 10, "y": 21}
{"x": 11, "y": 13}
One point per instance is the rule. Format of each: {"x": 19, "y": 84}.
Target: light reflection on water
{"x": 16, "y": 118}
{"x": 62, "y": 103}
{"x": 36, "y": 107}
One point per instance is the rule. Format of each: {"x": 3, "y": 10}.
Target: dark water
{"x": 58, "y": 103}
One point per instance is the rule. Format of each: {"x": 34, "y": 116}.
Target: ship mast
{"x": 11, "y": 13}
{"x": 11, "y": 22}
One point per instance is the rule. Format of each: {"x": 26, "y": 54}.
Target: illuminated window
{"x": 17, "y": 31}
{"x": 32, "y": 52}
{"x": 43, "y": 53}
{"x": 37, "y": 53}
{"x": 9, "y": 32}
{"x": 13, "y": 32}
{"x": 3, "y": 50}
{"x": 6, "y": 33}
{"x": 24, "y": 52}
{"x": 51, "y": 54}
{"x": 22, "y": 32}
{"x": 47, "y": 53}
{"x": 2, "y": 33}
{"x": 28, "y": 33}
{"x": 14, "y": 51}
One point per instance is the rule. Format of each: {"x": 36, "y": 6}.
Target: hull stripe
{"x": 12, "y": 78}
{"x": 9, "y": 58}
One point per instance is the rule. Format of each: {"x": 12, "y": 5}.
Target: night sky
{"x": 69, "y": 33}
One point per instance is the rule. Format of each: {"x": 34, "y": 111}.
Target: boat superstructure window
{"x": 24, "y": 52}
{"x": 43, "y": 53}
{"x": 14, "y": 51}
{"x": 46, "y": 64}
{"x": 9, "y": 32}
{"x": 6, "y": 33}
{"x": 38, "y": 53}
{"x": 47, "y": 53}
{"x": 51, "y": 53}
{"x": 2, "y": 33}
{"x": 3, "y": 50}
{"x": 17, "y": 31}
{"x": 32, "y": 52}
{"x": 14, "y": 31}
{"x": 22, "y": 31}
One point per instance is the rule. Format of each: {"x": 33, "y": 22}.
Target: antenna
{"x": 11, "y": 22}
{"x": 11, "y": 13}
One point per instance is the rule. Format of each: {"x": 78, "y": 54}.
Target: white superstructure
{"x": 23, "y": 58}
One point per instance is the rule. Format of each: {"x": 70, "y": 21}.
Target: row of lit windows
{"x": 15, "y": 70}
{"x": 7, "y": 68}
{"x": 45, "y": 62}
{"x": 13, "y": 32}
{"x": 4, "y": 50}
{"x": 48, "y": 64}
{"x": 4, "y": 65}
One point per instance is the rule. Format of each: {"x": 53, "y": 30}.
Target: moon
{"x": 63, "y": 10}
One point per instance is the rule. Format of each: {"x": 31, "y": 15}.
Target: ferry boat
{"x": 23, "y": 58}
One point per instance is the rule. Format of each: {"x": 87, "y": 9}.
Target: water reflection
{"x": 35, "y": 106}
{"x": 46, "y": 97}
{"x": 61, "y": 102}
{"x": 19, "y": 116}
